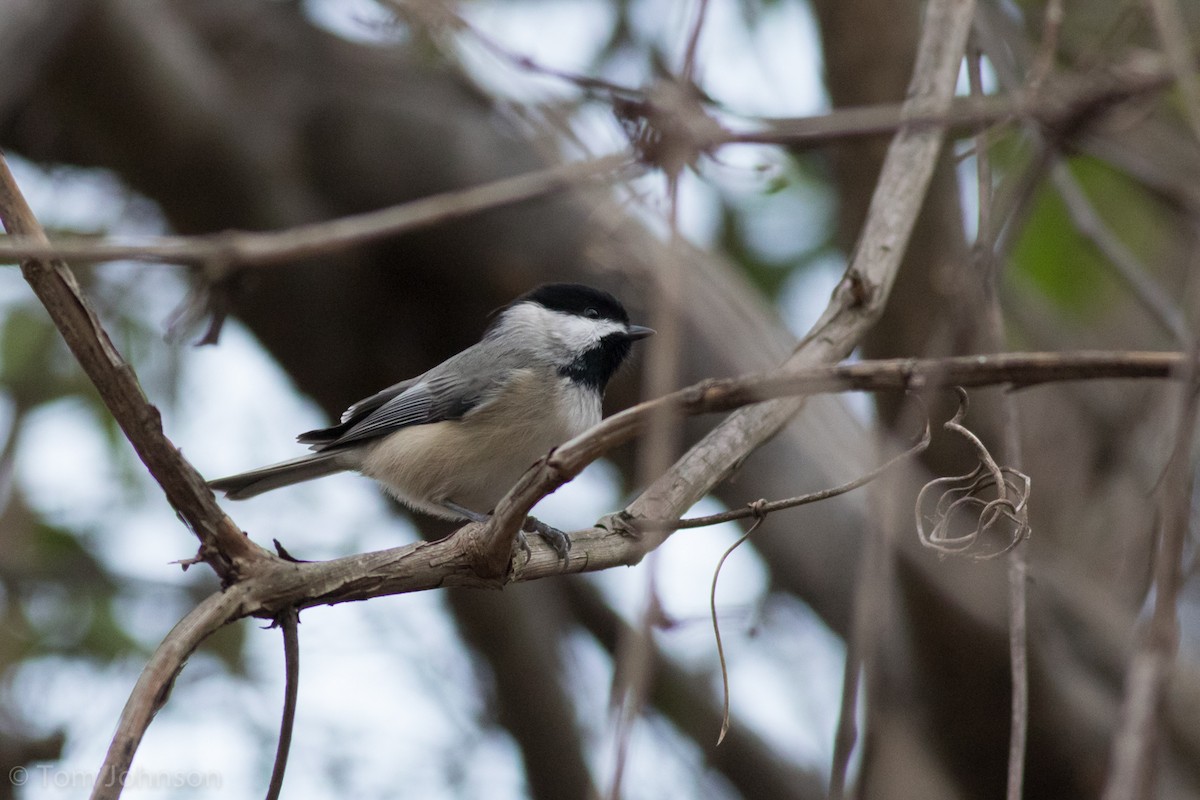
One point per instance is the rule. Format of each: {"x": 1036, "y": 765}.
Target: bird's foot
{"x": 553, "y": 536}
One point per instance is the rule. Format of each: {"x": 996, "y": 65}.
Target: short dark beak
{"x": 636, "y": 332}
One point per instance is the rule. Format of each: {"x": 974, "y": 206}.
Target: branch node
{"x": 621, "y": 522}
{"x": 492, "y": 564}
{"x": 285, "y": 555}
{"x": 669, "y": 127}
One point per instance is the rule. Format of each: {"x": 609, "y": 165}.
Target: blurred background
{"x": 127, "y": 118}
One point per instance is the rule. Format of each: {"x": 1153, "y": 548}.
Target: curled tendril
{"x": 962, "y": 517}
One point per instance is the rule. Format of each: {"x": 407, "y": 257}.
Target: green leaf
{"x": 1065, "y": 266}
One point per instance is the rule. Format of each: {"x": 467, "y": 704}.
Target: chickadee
{"x": 453, "y": 441}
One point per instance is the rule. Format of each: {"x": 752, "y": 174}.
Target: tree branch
{"x": 454, "y": 561}
{"x": 862, "y": 294}
{"x": 154, "y": 685}
{"x": 465, "y": 558}
{"x": 289, "y": 621}
{"x": 987, "y": 266}
{"x": 1059, "y": 106}
{"x": 246, "y": 248}
{"x": 764, "y": 507}
{"x": 1019, "y": 369}
{"x": 222, "y": 543}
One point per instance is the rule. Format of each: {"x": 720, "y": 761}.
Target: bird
{"x": 452, "y": 441}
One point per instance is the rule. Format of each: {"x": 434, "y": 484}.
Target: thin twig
{"x": 983, "y": 168}
{"x": 684, "y": 697}
{"x": 1043, "y": 60}
{"x": 289, "y": 622}
{"x": 1081, "y": 97}
{"x": 846, "y": 735}
{"x": 662, "y": 443}
{"x": 988, "y": 261}
{"x": 867, "y": 626}
{"x": 688, "y": 73}
{"x": 763, "y": 507}
{"x": 8, "y": 453}
{"x": 253, "y": 248}
{"x": 1018, "y": 648}
{"x": 1013, "y": 200}
{"x": 871, "y": 611}
{"x": 759, "y": 510}
{"x": 1061, "y": 105}
{"x": 863, "y": 293}
{"x": 439, "y": 16}
{"x": 712, "y": 605}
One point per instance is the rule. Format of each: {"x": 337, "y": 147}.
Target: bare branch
{"x": 1060, "y": 105}
{"x": 865, "y": 637}
{"x": 154, "y": 685}
{"x": 466, "y": 558}
{"x": 716, "y": 625}
{"x": 764, "y": 507}
{"x": 861, "y": 296}
{"x": 685, "y": 698}
{"x": 846, "y": 734}
{"x": 663, "y": 434}
{"x": 245, "y": 248}
{"x": 437, "y": 18}
{"x": 289, "y": 621}
{"x": 759, "y": 510}
{"x": 461, "y": 560}
{"x": 1019, "y": 369}
{"x": 988, "y": 262}
{"x": 1081, "y": 97}
{"x": 222, "y": 543}
{"x": 1018, "y": 648}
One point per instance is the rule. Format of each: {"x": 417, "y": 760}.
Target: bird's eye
{"x": 591, "y": 313}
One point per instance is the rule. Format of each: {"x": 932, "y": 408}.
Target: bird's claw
{"x": 553, "y": 536}
{"x": 523, "y": 546}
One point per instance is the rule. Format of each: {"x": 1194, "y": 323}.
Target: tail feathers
{"x": 264, "y": 479}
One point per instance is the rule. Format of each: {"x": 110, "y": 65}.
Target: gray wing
{"x": 448, "y": 391}
{"x": 431, "y": 400}
{"x": 369, "y": 404}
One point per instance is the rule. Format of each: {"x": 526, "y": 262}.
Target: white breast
{"x": 474, "y": 461}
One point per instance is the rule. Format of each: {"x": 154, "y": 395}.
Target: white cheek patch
{"x": 576, "y": 332}
{"x": 579, "y": 333}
